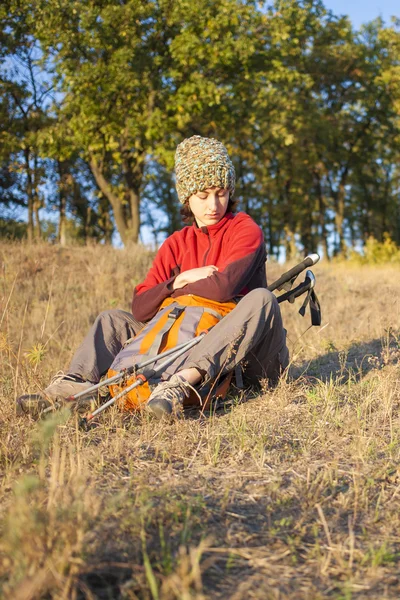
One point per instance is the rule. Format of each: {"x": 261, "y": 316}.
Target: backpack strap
{"x": 239, "y": 377}
{"x": 213, "y": 312}
{"x": 173, "y": 315}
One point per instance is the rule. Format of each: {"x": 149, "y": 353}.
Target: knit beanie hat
{"x": 202, "y": 163}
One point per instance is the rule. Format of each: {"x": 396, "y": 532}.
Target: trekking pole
{"x": 290, "y": 276}
{"x": 124, "y": 373}
{"x": 144, "y": 377}
{"x": 305, "y": 286}
{"x": 311, "y": 299}
{"x": 115, "y": 378}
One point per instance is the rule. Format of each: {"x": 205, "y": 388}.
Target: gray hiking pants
{"x": 252, "y": 332}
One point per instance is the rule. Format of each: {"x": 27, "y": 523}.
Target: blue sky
{"x": 361, "y": 11}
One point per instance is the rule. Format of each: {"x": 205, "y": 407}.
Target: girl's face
{"x": 209, "y": 206}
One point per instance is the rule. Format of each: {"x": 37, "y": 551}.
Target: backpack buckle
{"x": 176, "y": 313}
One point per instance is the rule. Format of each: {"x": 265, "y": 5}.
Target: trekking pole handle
{"x": 303, "y": 287}
{"x": 310, "y": 260}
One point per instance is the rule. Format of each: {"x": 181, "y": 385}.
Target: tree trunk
{"x": 30, "y": 228}
{"x": 62, "y": 222}
{"x": 386, "y": 226}
{"x": 271, "y": 245}
{"x": 339, "y": 197}
{"x": 88, "y": 219}
{"x": 134, "y": 222}
{"x": 62, "y": 204}
{"x": 321, "y": 214}
{"x": 339, "y": 218}
{"x": 396, "y": 223}
{"x": 115, "y": 201}
{"x": 174, "y": 221}
{"x": 29, "y": 193}
{"x": 36, "y": 200}
{"x": 289, "y": 226}
{"x": 307, "y": 236}
{"x": 37, "y": 229}
{"x": 105, "y": 220}
{"x": 128, "y": 225}
{"x": 289, "y": 216}
{"x": 365, "y": 206}
{"x": 133, "y": 175}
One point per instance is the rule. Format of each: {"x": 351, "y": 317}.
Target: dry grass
{"x": 294, "y": 494}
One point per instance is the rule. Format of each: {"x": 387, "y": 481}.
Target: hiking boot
{"x": 33, "y": 405}
{"x": 54, "y": 396}
{"x": 167, "y": 398}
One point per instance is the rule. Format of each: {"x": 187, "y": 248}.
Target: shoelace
{"x": 61, "y": 376}
{"x": 169, "y": 387}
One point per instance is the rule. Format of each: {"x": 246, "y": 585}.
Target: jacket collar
{"x": 212, "y": 230}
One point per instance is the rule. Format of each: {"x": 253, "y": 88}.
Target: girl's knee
{"x": 114, "y": 314}
{"x": 260, "y": 297}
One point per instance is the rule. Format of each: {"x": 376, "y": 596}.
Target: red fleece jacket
{"x": 235, "y": 245}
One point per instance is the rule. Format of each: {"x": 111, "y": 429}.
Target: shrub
{"x": 377, "y": 253}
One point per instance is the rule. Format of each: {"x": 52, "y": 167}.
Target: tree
{"x": 24, "y": 96}
{"x": 308, "y": 108}
{"x": 125, "y": 96}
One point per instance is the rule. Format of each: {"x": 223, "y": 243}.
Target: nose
{"x": 212, "y": 203}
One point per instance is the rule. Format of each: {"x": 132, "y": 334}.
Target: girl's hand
{"x": 193, "y": 275}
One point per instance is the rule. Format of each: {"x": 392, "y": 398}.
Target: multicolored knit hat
{"x": 201, "y": 163}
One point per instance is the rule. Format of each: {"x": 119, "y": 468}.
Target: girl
{"x": 220, "y": 256}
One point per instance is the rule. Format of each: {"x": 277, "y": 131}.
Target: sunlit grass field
{"x": 290, "y": 494}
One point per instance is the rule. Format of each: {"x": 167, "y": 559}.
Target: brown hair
{"x": 188, "y": 217}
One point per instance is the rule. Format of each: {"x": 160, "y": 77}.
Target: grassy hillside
{"x": 294, "y": 494}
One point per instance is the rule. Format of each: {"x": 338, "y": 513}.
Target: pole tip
{"x": 314, "y": 257}
{"x": 85, "y": 422}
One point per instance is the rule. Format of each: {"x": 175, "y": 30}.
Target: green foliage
{"x": 36, "y": 354}
{"x": 11, "y": 229}
{"x": 47, "y": 429}
{"x": 377, "y": 253}
{"x": 307, "y": 106}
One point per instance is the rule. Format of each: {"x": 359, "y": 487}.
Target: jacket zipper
{"x": 207, "y": 251}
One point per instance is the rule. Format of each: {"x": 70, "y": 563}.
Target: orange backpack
{"x": 178, "y": 320}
